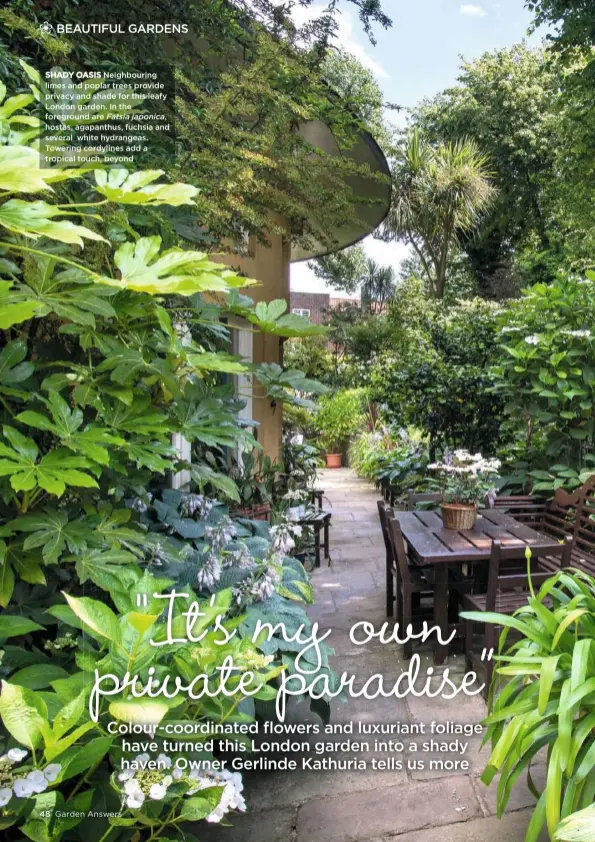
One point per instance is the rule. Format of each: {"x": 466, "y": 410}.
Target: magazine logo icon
{"x": 47, "y": 28}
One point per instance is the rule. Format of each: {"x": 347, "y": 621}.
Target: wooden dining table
{"x": 430, "y": 543}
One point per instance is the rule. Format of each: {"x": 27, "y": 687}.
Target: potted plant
{"x": 463, "y": 479}
{"x": 338, "y": 418}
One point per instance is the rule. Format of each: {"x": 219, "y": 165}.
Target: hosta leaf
{"x": 38, "y": 219}
{"x": 144, "y": 269}
{"x": 118, "y": 185}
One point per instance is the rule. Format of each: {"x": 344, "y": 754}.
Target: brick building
{"x": 315, "y": 305}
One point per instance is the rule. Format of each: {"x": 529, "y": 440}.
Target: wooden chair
{"x": 409, "y": 580}
{"x": 508, "y": 585}
{"x": 385, "y": 514}
{"x": 413, "y": 499}
{"x": 390, "y": 563}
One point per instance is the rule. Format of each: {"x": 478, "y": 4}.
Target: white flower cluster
{"x": 282, "y": 537}
{"x": 210, "y": 573}
{"x": 194, "y": 504}
{"x": 462, "y": 462}
{"x": 22, "y": 784}
{"x": 141, "y": 784}
{"x": 578, "y": 334}
{"x": 220, "y": 535}
{"x": 264, "y": 587}
{"x": 532, "y": 340}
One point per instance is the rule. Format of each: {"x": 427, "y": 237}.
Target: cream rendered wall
{"x": 269, "y": 265}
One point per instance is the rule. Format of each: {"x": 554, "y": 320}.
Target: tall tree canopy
{"x": 440, "y": 193}
{"x": 246, "y": 77}
{"x": 506, "y": 102}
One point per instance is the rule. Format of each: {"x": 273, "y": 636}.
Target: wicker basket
{"x": 458, "y": 515}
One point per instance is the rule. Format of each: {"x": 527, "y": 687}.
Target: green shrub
{"x": 339, "y": 417}
{"x": 546, "y": 379}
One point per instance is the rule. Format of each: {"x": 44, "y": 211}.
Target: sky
{"x": 416, "y": 58}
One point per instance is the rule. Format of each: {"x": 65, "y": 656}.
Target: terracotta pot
{"x": 458, "y": 515}
{"x": 333, "y": 460}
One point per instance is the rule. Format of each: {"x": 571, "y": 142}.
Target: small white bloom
{"x": 5, "y": 796}
{"x": 163, "y": 761}
{"x": 15, "y": 755}
{"x": 38, "y": 780}
{"x": 532, "y": 340}
{"x": 135, "y": 794}
{"x": 142, "y": 760}
{"x": 177, "y": 773}
{"x": 157, "y": 792}
{"x": 125, "y": 775}
{"x": 23, "y": 788}
{"x": 52, "y": 771}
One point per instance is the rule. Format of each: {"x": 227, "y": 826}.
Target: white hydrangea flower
{"x": 532, "y": 340}
{"x": 23, "y": 788}
{"x": 142, "y": 759}
{"x": 5, "y": 796}
{"x": 159, "y": 791}
{"x": 15, "y": 755}
{"x": 163, "y": 761}
{"x": 52, "y": 771}
{"x": 126, "y": 775}
{"x": 135, "y": 796}
{"x": 37, "y": 780}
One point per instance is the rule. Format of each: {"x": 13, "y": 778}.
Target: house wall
{"x": 316, "y": 302}
{"x": 270, "y": 266}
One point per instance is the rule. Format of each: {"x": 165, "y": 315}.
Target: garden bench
{"x": 573, "y": 514}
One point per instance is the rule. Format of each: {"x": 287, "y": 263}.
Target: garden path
{"x": 404, "y": 805}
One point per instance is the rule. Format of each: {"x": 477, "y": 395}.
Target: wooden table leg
{"x": 317, "y": 544}
{"x": 327, "y": 543}
{"x": 441, "y": 610}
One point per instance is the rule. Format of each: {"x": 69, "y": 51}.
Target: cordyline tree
{"x": 439, "y": 194}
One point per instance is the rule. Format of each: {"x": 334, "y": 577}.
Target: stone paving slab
{"x": 388, "y": 810}
{"x": 511, "y": 828}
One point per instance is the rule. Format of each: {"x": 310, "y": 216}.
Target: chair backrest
{"x": 525, "y": 509}
{"x": 383, "y": 509}
{"x": 508, "y": 567}
{"x": 581, "y": 504}
{"x": 398, "y": 547}
{"x": 428, "y": 497}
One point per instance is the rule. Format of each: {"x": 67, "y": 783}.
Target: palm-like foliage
{"x": 440, "y": 193}
{"x": 377, "y": 286}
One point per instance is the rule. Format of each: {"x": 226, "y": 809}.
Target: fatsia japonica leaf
{"x": 118, "y": 185}
{"x": 65, "y": 424}
{"x": 53, "y": 472}
{"x": 39, "y": 219}
{"x": 269, "y": 317}
{"x": 282, "y": 385}
{"x": 13, "y": 368}
{"x": 218, "y": 362}
{"x": 20, "y": 171}
{"x": 16, "y": 307}
{"x": 144, "y": 268}
{"x": 53, "y": 532}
